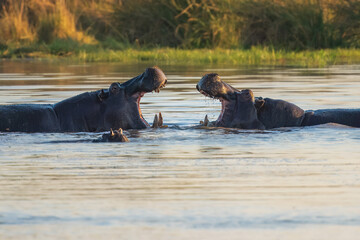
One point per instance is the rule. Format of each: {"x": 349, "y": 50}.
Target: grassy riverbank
{"x": 249, "y": 32}
{"x": 253, "y": 56}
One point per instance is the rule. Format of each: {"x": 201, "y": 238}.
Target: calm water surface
{"x": 179, "y": 182}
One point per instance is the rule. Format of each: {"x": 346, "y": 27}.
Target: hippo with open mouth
{"x": 241, "y": 110}
{"x": 102, "y": 110}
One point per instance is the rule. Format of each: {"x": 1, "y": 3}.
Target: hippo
{"x": 113, "y": 136}
{"x": 119, "y": 136}
{"x": 240, "y": 109}
{"x": 97, "y": 111}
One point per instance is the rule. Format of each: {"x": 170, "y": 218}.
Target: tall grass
{"x": 308, "y": 24}
{"x": 27, "y": 21}
{"x": 15, "y": 23}
{"x": 116, "y": 24}
{"x": 290, "y": 24}
{"x": 346, "y": 22}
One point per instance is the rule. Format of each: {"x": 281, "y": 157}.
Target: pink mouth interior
{"x": 223, "y": 104}
{"x": 140, "y": 95}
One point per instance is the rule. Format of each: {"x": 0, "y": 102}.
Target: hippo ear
{"x": 114, "y": 88}
{"x": 102, "y": 95}
{"x": 259, "y": 103}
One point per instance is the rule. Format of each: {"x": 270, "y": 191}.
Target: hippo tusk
{"x": 155, "y": 122}
{"x": 206, "y": 120}
{"x": 160, "y": 119}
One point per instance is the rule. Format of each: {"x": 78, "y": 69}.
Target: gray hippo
{"x": 240, "y": 109}
{"x": 119, "y": 136}
{"x": 113, "y": 136}
{"x": 116, "y": 107}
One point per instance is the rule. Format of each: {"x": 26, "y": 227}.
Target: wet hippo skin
{"x": 243, "y": 112}
{"x": 102, "y": 110}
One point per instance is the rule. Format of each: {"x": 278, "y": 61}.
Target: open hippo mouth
{"x": 212, "y": 86}
{"x": 237, "y": 107}
{"x": 152, "y": 80}
{"x": 138, "y": 97}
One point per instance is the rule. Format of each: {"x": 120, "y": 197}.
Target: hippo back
{"x": 28, "y": 118}
{"x": 279, "y": 113}
{"x": 80, "y": 113}
{"x": 349, "y": 117}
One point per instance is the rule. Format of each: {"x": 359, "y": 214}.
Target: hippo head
{"x": 237, "y": 107}
{"x": 113, "y": 136}
{"x": 121, "y": 102}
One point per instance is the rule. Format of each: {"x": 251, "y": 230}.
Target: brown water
{"x": 182, "y": 183}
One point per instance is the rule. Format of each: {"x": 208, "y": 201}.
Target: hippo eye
{"x": 245, "y": 92}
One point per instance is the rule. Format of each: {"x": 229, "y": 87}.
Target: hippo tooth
{"x": 160, "y": 119}
{"x": 156, "y": 122}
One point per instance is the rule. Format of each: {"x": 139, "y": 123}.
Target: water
{"x": 179, "y": 182}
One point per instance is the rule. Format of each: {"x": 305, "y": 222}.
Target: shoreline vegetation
{"x": 309, "y": 33}
{"x": 253, "y": 56}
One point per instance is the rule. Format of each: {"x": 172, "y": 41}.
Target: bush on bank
{"x": 289, "y": 24}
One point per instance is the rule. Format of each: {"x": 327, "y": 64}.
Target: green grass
{"x": 73, "y": 51}
{"x": 253, "y": 56}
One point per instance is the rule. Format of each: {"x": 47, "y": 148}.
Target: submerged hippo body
{"x": 348, "y": 117}
{"x": 116, "y": 107}
{"x": 28, "y": 118}
{"x": 113, "y": 136}
{"x": 259, "y": 113}
{"x": 275, "y": 113}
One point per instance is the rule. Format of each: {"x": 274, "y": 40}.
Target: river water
{"x": 180, "y": 182}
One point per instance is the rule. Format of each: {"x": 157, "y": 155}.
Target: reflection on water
{"x": 181, "y": 182}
